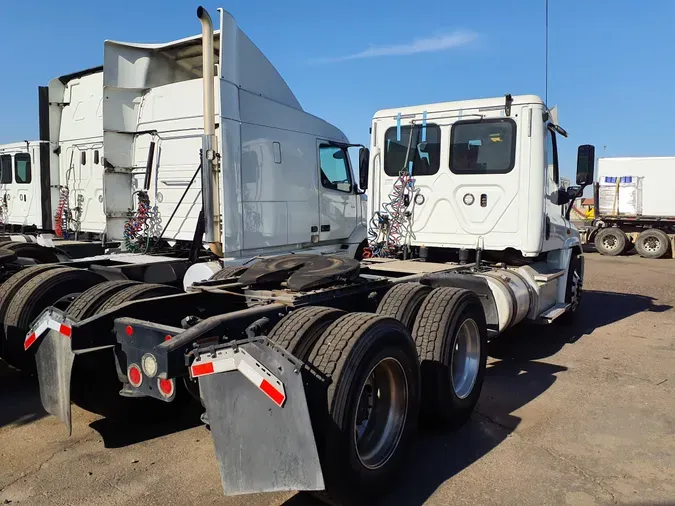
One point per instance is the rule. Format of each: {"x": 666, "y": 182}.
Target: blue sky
{"x": 612, "y": 63}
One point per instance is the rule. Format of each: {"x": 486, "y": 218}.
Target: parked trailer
{"x": 314, "y": 369}
{"x": 633, "y": 207}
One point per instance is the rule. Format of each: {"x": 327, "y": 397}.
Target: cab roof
{"x": 440, "y": 107}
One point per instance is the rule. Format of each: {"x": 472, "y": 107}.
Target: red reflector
{"x": 135, "y": 375}
{"x": 29, "y": 341}
{"x": 165, "y": 387}
{"x": 167, "y": 338}
{"x": 65, "y": 330}
{"x": 202, "y": 369}
{"x": 272, "y": 392}
{"x": 129, "y": 331}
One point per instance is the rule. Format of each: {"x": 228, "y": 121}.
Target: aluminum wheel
{"x": 610, "y": 242}
{"x": 381, "y": 413}
{"x": 651, "y": 243}
{"x": 465, "y": 360}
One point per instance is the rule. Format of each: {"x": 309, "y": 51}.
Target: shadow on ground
{"x": 19, "y": 397}
{"x": 127, "y": 421}
{"x": 514, "y": 379}
{"x": 598, "y": 309}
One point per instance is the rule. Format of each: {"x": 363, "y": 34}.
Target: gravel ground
{"x": 579, "y": 416}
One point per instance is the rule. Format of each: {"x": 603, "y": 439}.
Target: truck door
{"x": 337, "y": 199}
{"x": 84, "y": 177}
{"x": 556, "y": 226}
{"x": 26, "y": 194}
{"x": 6, "y": 179}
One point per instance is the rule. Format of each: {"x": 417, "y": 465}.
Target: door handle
{"x": 325, "y": 228}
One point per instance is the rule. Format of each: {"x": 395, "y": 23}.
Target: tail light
{"x": 135, "y": 375}
{"x": 166, "y": 387}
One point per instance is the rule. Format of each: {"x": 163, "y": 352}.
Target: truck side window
{"x": 425, "y": 150}
{"x": 22, "y": 169}
{"x": 552, "y": 156}
{"x": 5, "y": 169}
{"x": 483, "y": 146}
{"x": 335, "y": 168}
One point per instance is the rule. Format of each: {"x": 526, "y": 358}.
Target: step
{"x": 554, "y": 312}
{"x": 545, "y": 277}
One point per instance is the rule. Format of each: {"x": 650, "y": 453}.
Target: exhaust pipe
{"x": 210, "y": 186}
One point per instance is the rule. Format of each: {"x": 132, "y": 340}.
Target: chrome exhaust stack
{"x": 210, "y": 186}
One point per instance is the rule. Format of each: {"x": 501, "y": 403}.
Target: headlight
{"x": 468, "y": 199}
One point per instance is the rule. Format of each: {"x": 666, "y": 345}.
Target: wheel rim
{"x": 465, "y": 358}
{"x": 651, "y": 243}
{"x": 381, "y": 413}
{"x": 576, "y": 290}
{"x": 610, "y": 242}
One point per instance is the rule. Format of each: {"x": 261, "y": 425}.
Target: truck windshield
{"x": 483, "y": 147}
{"x": 423, "y": 158}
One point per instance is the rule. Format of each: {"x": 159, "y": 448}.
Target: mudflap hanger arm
{"x": 170, "y": 354}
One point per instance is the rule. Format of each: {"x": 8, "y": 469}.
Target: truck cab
{"x": 485, "y": 174}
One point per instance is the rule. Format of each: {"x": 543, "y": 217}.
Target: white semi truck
{"x": 633, "y": 206}
{"x": 313, "y": 367}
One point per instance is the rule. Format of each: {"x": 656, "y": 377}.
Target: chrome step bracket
{"x": 551, "y": 314}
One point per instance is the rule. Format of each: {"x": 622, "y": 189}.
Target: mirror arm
{"x": 571, "y": 202}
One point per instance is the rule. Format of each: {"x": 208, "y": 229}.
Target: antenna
{"x": 546, "y": 71}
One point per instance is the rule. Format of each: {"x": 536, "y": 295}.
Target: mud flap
{"x": 263, "y": 440}
{"x": 54, "y": 360}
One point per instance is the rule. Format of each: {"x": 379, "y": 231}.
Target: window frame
{"x": 440, "y": 147}
{"x": 514, "y": 137}
{"x": 348, "y": 166}
{"x": 23, "y": 156}
{"x": 554, "y": 146}
{"x": 5, "y": 156}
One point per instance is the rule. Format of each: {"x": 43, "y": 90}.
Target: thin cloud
{"x": 425, "y": 45}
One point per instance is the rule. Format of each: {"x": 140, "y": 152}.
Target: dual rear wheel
{"x": 650, "y": 243}
{"x": 423, "y": 355}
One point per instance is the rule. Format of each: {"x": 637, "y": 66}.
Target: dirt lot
{"x": 576, "y": 416}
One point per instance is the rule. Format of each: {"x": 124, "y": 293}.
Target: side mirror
{"x": 585, "y": 164}
{"x": 364, "y": 161}
{"x": 560, "y": 197}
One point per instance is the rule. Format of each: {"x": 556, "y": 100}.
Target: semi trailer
{"x": 319, "y": 339}
{"x": 633, "y": 207}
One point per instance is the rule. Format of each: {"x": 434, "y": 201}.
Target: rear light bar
{"x": 230, "y": 360}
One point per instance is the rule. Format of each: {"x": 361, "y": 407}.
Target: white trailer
{"x": 313, "y": 367}
{"x": 633, "y": 206}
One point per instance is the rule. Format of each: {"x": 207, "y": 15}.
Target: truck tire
{"x": 299, "y": 331}
{"x": 574, "y": 289}
{"x": 652, "y": 243}
{"x": 88, "y": 302}
{"x": 44, "y": 290}
{"x": 403, "y": 302}
{"x": 610, "y": 241}
{"x": 10, "y": 287}
{"x": 451, "y": 337}
{"x": 232, "y": 271}
{"x": 137, "y": 292}
{"x": 365, "y": 414}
